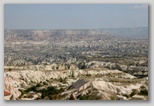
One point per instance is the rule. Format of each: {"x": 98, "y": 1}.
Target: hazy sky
{"x": 74, "y": 16}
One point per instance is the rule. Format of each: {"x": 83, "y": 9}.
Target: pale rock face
{"x": 70, "y": 81}
{"x": 142, "y": 61}
{"x": 121, "y": 97}
{"x": 16, "y": 80}
{"x": 104, "y": 89}
{"x": 27, "y": 99}
{"x": 61, "y": 67}
{"x": 19, "y": 63}
{"x": 92, "y": 64}
{"x": 73, "y": 66}
{"x": 135, "y": 68}
{"x": 9, "y": 97}
{"x": 48, "y": 67}
{"x": 54, "y": 66}
{"x": 123, "y": 67}
{"x": 138, "y": 97}
{"x": 9, "y": 85}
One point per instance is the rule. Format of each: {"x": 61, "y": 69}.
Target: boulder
{"x": 138, "y": 97}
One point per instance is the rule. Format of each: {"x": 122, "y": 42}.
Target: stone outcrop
{"x": 16, "y": 80}
{"x": 134, "y": 70}
{"x": 103, "y": 90}
{"x": 138, "y": 97}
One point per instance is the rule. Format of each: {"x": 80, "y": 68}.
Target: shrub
{"x": 142, "y": 87}
{"x": 114, "y": 97}
{"x": 10, "y": 69}
{"x": 38, "y": 85}
{"x": 134, "y": 91}
{"x": 92, "y": 96}
{"x": 144, "y": 92}
{"x": 62, "y": 79}
{"x": 33, "y": 88}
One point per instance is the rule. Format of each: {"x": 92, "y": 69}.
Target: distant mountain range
{"x": 55, "y": 35}
{"x": 75, "y": 35}
{"x": 138, "y": 32}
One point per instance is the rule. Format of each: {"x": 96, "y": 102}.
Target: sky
{"x": 75, "y": 16}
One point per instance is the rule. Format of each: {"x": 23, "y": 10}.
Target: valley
{"x": 86, "y": 64}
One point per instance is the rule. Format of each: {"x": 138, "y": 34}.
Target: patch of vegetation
{"x": 72, "y": 74}
{"x": 126, "y": 95}
{"x": 47, "y": 93}
{"x": 51, "y": 92}
{"x": 134, "y": 91}
{"x": 114, "y": 97}
{"x": 10, "y": 69}
{"x": 63, "y": 80}
{"x": 90, "y": 96}
{"x": 33, "y": 88}
{"x": 142, "y": 87}
{"x": 144, "y": 92}
{"x": 38, "y": 85}
{"x": 88, "y": 74}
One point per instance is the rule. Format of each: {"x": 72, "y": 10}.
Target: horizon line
{"x": 76, "y": 28}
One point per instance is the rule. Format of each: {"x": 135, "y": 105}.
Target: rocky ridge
{"x": 17, "y": 81}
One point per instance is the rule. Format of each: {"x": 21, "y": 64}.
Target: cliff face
{"x": 140, "y": 71}
{"x": 99, "y": 89}
{"x": 103, "y": 80}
